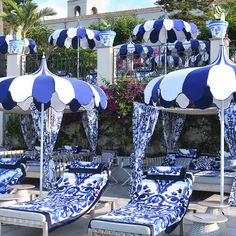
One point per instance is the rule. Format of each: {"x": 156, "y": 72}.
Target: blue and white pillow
{"x": 183, "y": 152}
{"x": 169, "y": 160}
{"x": 166, "y": 173}
{"x": 204, "y": 163}
{"x": 11, "y": 162}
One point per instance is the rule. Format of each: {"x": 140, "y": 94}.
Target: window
{"x": 94, "y": 10}
{"x": 77, "y": 11}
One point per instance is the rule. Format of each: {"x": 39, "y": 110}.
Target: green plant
{"x": 218, "y": 12}
{"x": 104, "y": 25}
{"x": 26, "y": 15}
{"x": 19, "y": 33}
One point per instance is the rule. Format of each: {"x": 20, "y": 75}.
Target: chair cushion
{"x": 11, "y": 162}
{"x": 203, "y": 163}
{"x": 87, "y": 167}
{"x": 166, "y": 173}
{"x": 72, "y": 197}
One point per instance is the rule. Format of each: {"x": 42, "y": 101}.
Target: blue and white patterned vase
{"x": 218, "y": 28}
{"x": 16, "y": 46}
{"x": 107, "y": 37}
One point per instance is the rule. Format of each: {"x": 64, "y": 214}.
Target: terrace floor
{"x": 119, "y": 194}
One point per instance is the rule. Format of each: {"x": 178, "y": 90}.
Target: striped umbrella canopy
{"x": 30, "y": 44}
{"x": 201, "y": 87}
{"x": 172, "y": 61}
{"x": 165, "y": 31}
{"x": 136, "y": 50}
{"x": 193, "y": 45}
{"x": 44, "y": 89}
{"x": 75, "y": 36}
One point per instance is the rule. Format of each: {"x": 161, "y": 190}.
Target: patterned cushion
{"x": 11, "y": 162}
{"x": 203, "y": 163}
{"x": 71, "y": 198}
{"x": 169, "y": 160}
{"x": 190, "y": 152}
{"x": 158, "y": 205}
{"x": 31, "y": 155}
{"x": 87, "y": 167}
{"x": 166, "y": 172}
{"x": 10, "y": 177}
{"x": 230, "y": 164}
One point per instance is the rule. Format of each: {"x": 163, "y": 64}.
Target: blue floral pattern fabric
{"x": 70, "y": 198}
{"x": 85, "y": 164}
{"x": 144, "y": 122}
{"x": 11, "y": 172}
{"x": 159, "y": 204}
{"x": 169, "y": 160}
{"x": 52, "y": 123}
{"x": 10, "y": 161}
{"x": 164, "y": 170}
{"x": 232, "y": 196}
{"x": 28, "y": 131}
{"x": 230, "y": 127}
{"x": 173, "y": 124}
{"x": 90, "y": 123}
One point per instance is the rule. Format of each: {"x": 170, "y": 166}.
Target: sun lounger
{"x": 158, "y": 207}
{"x": 75, "y": 193}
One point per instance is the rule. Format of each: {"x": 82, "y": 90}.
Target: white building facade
{"x": 87, "y": 12}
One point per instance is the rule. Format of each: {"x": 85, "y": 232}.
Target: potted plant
{"x": 219, "y": 25}
{"x": 107, "y": 35}
{"x": 22, "y": 17}
{"x": 16, "y": 46}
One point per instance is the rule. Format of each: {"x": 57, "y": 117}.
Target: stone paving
{"x": 119, "y": 194}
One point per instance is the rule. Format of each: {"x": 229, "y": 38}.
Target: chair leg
{"x": 181, "y": 227}
{"x": 0, "y": 228}
{"x": 90, "y": 232}
{"x": 45, "y": 229}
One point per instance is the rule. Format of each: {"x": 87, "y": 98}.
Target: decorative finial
{"x": 165, "y": 15}
{"x": 130, "y": 39}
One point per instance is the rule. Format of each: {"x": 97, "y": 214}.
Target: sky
{"x": 60, "y": 6}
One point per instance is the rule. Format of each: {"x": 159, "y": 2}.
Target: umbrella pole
{"x": 78, "y": 59}
{"x": 165, "y": 59}
{"x": 222, "y": 153}
{"x": 41, "y": 151}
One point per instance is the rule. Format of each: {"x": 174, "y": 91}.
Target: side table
{"x": 21, "y": 190}
{"x": 213, "y": 207}
{"x": 8, "y": 199}
{"x": 216, "y": 208}
{"x": 205, "y": 224}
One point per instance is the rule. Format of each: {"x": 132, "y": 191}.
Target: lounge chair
{"x": 157, "y": 208}
{"x": 75, "y": 193}
{"x": 12, "y": 171}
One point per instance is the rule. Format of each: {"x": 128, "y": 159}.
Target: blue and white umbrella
{"x": 165, "y": 31}
{"x": 76, "y": 37}
{"x": 136, "y": 50}
{"x": 30, "y": 44}
{"x": 199, "y": 86}
{"x": 193, "y": 45}
{"x": 44, "y": 89}
{"x": 197, "y": 51}
{"x": 172, "y": 61}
